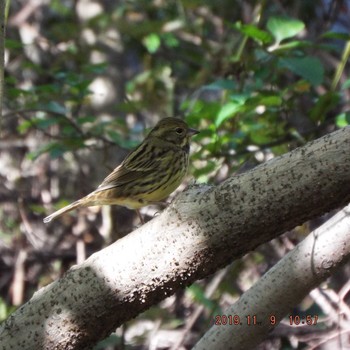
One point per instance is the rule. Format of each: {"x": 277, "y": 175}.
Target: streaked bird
{"x": 148, "y": 174}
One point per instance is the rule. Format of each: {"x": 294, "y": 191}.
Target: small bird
{"x": 148, "y": 174}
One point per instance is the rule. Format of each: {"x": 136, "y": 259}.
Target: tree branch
{"x": 2, "y": 54}
{"x": 282, "y": 287}
{"x": 204, "y": 229}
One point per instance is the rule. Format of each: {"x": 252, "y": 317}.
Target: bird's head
{"x": 173, "y": 130}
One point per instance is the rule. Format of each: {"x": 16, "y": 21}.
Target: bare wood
{"x": 203, "y": 230}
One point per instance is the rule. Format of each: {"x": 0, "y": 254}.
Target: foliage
{"x": 256, "y": 82}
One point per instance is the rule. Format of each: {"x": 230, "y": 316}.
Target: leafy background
{"x": 85, "y": 81}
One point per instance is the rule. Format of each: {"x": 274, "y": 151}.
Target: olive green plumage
{"x": 148, "y": 174}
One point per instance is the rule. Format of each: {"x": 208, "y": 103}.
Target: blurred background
{"x": 84, "y": 82}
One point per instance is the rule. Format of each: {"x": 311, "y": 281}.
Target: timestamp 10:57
{"x": 252, "y": 320}
{"x": 296, "y": 320}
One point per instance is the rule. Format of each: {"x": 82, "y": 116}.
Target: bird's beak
{"x": 192, "y": 132}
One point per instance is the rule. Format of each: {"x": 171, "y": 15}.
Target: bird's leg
{"x": 162, "y": 204}
{"x": 140, "y": 216}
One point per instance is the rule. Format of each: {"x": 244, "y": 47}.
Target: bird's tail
{"x": 66, "y": 209}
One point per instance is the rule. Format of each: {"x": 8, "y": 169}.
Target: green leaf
{"x": 271, "y": 100}
{"x": 170, "y": 40}
{"x": 343, "y": 119}
{"x": 85, "y": 119}
{"x": 254, "y": 32}
{"x": 201, "y": 110}
{"x": 221, "y": 84}
{"x": 46, "y": 88}
{"x": 44, "y": 123}
{"x": 323, "y": 105}
{"x": 264, "y": 100}
{"x": 36, "y": 122}
{"x": 201, "y": 174}
{"x": 55, "y": 149}
{"x": 95, "y": 68}
{"x": 14, "y": 92}
{"x": 115, "y": 136}
{"x": 346, "y": 85}
{"x": 13, "y": 44}
{"x": 113, "y": 341}
{"x": 283, "y": 27}
{"x": 55, "y": 107}
{"x": 228, "y": 110}
{"x": 24, "y": 126}
{"x": 197, "y": 293}
{"x": 295, "y": 44}
{"x": 60, "y": 7}
{"x": 151, "y": 42}
{"x": 309, "y": 68}
{"x": 5, "y": 310}
{"x": 335, "y": 35}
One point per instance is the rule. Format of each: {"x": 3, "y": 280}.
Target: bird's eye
{"x": 179, "y": 130}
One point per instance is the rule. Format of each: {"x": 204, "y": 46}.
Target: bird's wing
{"x": 137, "y": 164}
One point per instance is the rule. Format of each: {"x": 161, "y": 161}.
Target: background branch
{"x": 273, "y": 296}
{"x": 2, "y": 54}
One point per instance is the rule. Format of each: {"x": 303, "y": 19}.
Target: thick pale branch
{"x": 283, "y": 287}
{"x": 204, "y": 229}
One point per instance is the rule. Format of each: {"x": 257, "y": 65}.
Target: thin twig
{"x": 2, "y": 54}
{"x": 341, "y": 66}
{"x": 70, "y": 121}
